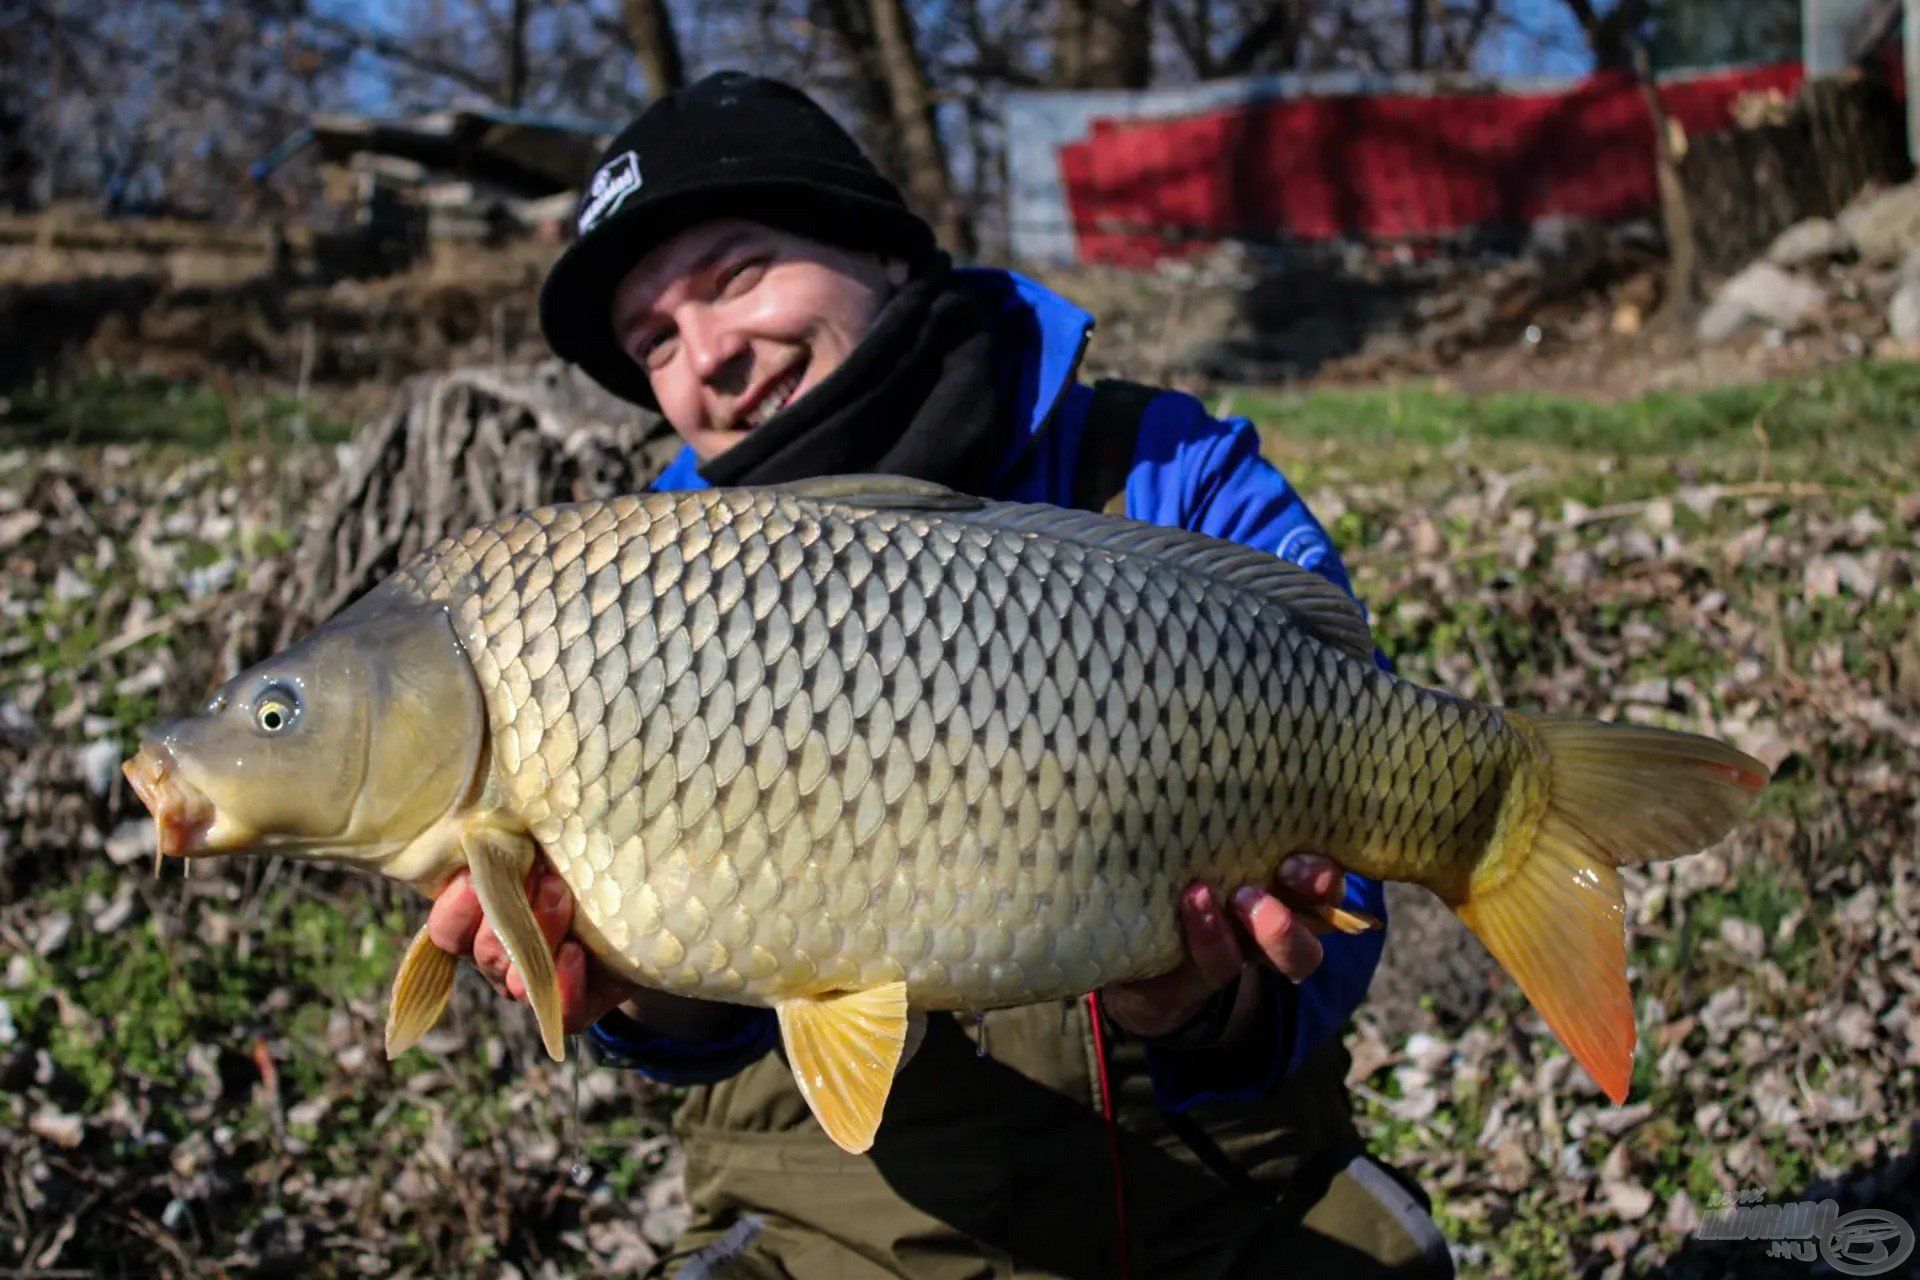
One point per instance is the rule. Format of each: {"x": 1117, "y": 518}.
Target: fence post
{"x": 1827, "y": 32}
{"x": 1910, "y": 46}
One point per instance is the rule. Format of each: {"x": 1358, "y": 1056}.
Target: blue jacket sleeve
{"x": 1198, "y": 473}
{"x": 622, "y": 1042}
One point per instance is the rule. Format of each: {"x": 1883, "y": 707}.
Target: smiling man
{"x": 745, "y": 269}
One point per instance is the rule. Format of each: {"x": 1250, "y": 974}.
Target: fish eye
{"x": 275, "y": 710}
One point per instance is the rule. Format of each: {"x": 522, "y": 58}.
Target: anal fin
{"x": 844, "y": 1049}
{"x": 420, "y": 992}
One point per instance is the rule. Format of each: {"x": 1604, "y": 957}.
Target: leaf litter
{"x": 192, "y": 1082}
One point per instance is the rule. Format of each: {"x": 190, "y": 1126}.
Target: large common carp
{"x": 863, "y": 747}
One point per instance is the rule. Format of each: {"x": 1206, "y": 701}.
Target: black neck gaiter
{"x": 920, "y": 396}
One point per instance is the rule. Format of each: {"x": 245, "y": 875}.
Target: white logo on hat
{"x": 616, "y": 180}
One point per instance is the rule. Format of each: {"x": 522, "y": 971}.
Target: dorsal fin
{"x": 882, "y": 493}
{"x": 1316, "y": 605}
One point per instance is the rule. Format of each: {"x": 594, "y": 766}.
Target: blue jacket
{"x": 1190, "y": 471}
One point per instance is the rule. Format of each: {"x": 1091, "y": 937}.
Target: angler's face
{"x": 347, "y": 745}
{"x": 733, "y": 321}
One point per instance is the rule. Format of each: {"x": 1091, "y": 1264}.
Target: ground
{"x": 193, "y": 1079}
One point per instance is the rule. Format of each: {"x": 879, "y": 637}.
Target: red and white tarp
{"x": 1132, "y": 178}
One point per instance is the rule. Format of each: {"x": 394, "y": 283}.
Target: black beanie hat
{"x": 729, "y": 145}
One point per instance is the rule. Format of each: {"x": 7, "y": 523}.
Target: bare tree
{"x": 1612, "y": 33}
{"x": 1103, "y": 44}
{"x": 892, "y": 88}
{"x": 514, "y": 92}
{"x": 139, "y": 103}
{"x": 649, "y": 29}
{"x": 1271, "y": 41}
{"x": 1676, "y": 213}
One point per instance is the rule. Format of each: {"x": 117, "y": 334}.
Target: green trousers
{"x": 995, "y": 1160}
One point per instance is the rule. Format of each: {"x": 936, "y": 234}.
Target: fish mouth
{"x": 180, "y": 811}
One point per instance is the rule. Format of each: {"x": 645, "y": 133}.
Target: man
{"x": 742, "y": 267}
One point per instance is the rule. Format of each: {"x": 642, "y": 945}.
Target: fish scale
{"x": 861, "y": 747}
{"x": 988, "y": 847}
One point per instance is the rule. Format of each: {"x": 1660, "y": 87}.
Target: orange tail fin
{"x": 1616, "y": 795}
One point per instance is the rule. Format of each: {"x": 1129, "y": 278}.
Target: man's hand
{"x": 459, "y": 927}
{"x": 1255, "y": 927}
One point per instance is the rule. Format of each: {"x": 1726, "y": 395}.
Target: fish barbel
{"x": 864, "y": 747}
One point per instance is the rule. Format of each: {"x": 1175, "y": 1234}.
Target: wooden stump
{"x": 1747, "y": 184}
{"x": 459, "y": 448}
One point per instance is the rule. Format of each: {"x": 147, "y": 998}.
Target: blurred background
{"x": 1588, "y": 326}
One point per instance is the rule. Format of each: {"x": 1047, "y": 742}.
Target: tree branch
{"x": 406, "y": 55}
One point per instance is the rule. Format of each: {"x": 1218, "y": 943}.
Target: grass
{"x": 106, "y": 404}
{"x": 1863, "y": 403}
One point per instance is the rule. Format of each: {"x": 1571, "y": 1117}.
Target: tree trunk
{"x": 1103, "y": 44}
{"x": 910, "y": 100}
{"x": 515, "y": 90}
{"x": 1683, "y": 272}
{"x": 1613, "y": 35}
{"x": 1278, "y": 30}
{"x": 655, "y": 45}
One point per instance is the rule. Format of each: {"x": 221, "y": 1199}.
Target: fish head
{"x": 346, "y": 747}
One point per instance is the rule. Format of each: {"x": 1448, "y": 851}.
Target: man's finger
{"x": 490, "y": 956}
{"x": 553, "y": 908}
{"x": 455, "y": 916}
{"x": 1310, "y": 879}
{"x": 1281, "y": 937}
{"x": 570, "y": 963}
{"x": 1210, "y": 936}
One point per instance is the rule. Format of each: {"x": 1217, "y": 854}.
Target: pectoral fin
{"x": 844, "y": 1049}
{"x": 499, "y": 861}
{"x": 420, "y": 992}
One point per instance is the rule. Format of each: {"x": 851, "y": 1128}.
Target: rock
{"x": 1764, "y": 294}
{"x": 1809, "y": 243}
{"x": 1563, "y": 236}
{"x": 1885, "y": 225}
{"x": 1903, "y": 313}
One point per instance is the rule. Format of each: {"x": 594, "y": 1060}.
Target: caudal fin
{"x": 1616, "y": 795}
